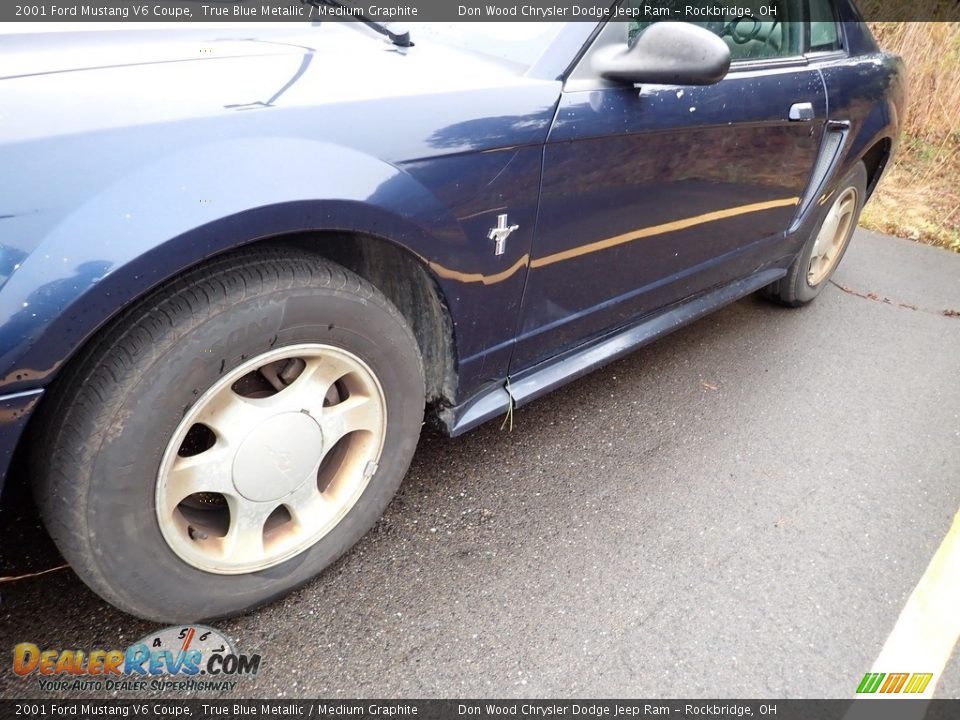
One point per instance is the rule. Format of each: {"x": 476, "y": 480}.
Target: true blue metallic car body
{"x": 125, "y": 160}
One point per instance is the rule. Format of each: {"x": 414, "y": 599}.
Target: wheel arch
{"x": 875, "y": 160}
{"x": 163, "y": 219}
{"x": 396, "y": 270}
{"x": 411, "y": 286}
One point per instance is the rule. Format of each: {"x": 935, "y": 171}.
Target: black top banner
{"x": 467, "y": 10}
{"x": 880, "y": 709}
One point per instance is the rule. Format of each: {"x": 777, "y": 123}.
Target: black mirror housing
{"x": 668, "y": 53}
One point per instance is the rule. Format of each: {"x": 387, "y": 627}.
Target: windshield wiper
{"x": 401, "y": 39}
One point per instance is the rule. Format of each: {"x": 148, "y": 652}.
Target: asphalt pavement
{"x": 739, "y": 510}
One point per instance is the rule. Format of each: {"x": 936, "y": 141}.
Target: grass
{"x": 919, "y": 196}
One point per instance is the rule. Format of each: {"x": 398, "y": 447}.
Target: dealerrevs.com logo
{"x": 178, "y": 658}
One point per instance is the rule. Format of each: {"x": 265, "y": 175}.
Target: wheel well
{"x": 875, "y": 160}
{"x": 396, "y": 273}
{"x": 400, "y": 276}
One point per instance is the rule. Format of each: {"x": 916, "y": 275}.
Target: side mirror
{"x": 673, "y": 53}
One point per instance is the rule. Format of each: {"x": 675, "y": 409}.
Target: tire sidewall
{"x": 121, "y": 506}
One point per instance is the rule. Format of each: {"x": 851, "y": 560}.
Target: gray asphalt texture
{"x": 739, "y": 510}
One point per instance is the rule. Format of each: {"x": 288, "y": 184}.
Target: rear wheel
{"x": 230, "y": 436}
{"x": 824, "y": 249}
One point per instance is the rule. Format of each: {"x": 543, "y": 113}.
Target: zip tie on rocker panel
{"x": 508, "y": 420}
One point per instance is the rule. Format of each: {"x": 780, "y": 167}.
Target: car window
{"x": 824, "y": 35}
{"x": 748, "y": 34}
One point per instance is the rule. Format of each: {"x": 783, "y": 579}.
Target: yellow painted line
{"x": 926, "y": 632}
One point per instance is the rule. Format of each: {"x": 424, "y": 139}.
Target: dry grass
{"x": 919, "y": 196}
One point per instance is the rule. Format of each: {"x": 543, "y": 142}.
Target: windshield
{"x": 520, "y": 43}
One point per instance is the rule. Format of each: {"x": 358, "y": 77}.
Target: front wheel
{"x": 823, "y": 250}
{"x": 230, "y": 436}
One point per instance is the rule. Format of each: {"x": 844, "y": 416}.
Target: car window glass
{"x": 823, "y": 27}
{"x": 749, "y": 35}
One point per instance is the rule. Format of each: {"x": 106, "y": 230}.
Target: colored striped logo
{"x": 894, "y": 683}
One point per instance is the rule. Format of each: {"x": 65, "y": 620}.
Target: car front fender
{"x": 153, "y": 223}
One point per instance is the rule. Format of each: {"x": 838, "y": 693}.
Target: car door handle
{"x": 801, "y": 112}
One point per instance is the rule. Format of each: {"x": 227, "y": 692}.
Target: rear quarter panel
{"x": 868, "y": 92}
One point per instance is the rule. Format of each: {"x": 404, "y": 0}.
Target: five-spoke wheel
{"x": 833, "y": 236}
{"x": 270, "y": 458}
{"x": 831, "y": 226}
{"x": 230, "y": 436}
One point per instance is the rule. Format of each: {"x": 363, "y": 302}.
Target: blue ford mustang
{"x": 237, "y": 267}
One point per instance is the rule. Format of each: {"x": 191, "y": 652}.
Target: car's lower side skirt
{"x": 551, "y": 374}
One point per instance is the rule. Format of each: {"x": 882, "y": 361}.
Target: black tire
{"x": 794, "y": 289}
{"x": 104, "y": 427}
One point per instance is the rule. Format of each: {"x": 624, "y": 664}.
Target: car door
{"x": 654, "y": 194}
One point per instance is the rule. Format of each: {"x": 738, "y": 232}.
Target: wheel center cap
{"x": 277, "y": 457}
